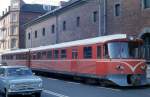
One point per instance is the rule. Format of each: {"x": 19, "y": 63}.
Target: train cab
{"x": 126, "y": 65}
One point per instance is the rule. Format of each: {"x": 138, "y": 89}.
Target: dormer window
{"x": 47, "y": 7}
{"x": 15, "y": 5}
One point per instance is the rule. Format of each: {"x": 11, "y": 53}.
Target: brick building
{"x": 79, "y": 19}
{"x": 131, "y": 17}
{"x": 76, "y": 19}
{"x": 12, "y": 31}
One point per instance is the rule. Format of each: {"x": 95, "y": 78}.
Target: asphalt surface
{"x": 61, "y": 88}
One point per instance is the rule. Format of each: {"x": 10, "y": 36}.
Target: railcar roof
{"x": 89, "y": 41}
{"x": 16, "y": 51}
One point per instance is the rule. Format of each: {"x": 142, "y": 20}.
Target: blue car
{"x": 19, "y": 80}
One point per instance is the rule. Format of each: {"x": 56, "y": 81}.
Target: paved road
{"x": 60, "y": 88}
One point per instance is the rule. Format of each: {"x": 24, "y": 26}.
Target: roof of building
{"x": 89, "y": 41}
{"x": 35, "y": 8}
{"x": 56, "y": 11}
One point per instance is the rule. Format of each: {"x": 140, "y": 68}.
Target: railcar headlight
{"x": 40, "y": 85}
{"x": 120, "y": 67}
{"x": 13, "y": 86}
{"x": 143, "y": 67}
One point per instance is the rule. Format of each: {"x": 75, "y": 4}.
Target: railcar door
{"x": 74, "y": 60}
{"x": 28, "y": 59}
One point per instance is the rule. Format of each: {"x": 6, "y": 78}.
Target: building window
{"x": 15, "y": 4}
{"x": 14, "y": 17}
{"x": 117, "y": 9}
{"x": 87, "y": 52}
{"x": 78, "y": 21}
{"x": 64, "y": 25}
{"x": 29, "y": 36}
{"x": 53, "y": 28}
{"x": 14, "y": 30}
{"x": 43, "y": 31}
{"x": 63, "y": 54}
{"x": 35, "y": 34}
{"x": 13, "y": 43}
{"x": 95, "y": 16}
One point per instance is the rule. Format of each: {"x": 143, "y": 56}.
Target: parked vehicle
{"x": 19, "y": 80}
{"x": 116, "y": 59}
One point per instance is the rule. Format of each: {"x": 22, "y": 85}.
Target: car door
{"x": 2, "y": 75}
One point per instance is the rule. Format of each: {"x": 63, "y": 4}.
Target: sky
{"x": 5, "y": 3}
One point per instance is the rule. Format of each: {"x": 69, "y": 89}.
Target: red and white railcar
{"x": 115, "y": 58}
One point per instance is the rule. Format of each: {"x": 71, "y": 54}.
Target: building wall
{"x": 49, "y": 38}
{"x": 132, "y": 20}
{"x": 87, "y": 27}
{"x": 13, "y": 37}
{"x": 25, "y": 17}
{"x": 5, "y": 32}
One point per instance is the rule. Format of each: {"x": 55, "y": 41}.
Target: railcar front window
{"x": 124, "y": 50}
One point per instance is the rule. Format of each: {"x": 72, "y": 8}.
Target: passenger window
{"x": 63, "y": 54}
{"x": 17, "y": 56}
{"x": 11, "y": 57}
{"x": 56, "y": 54}
{"x": 43, "y": 53}
{"x": 74, "y": 53}
{"x": 25, "y": 56}
{"x": 87, "y": 52}
{"x": 49, "y": 54}
{"x": 98, "y": 52}
{"x": 2, "y": 72}
{"x": 34, "y": 56}
{"x": 106, "y": 52}
{"x": 39, "y": 55}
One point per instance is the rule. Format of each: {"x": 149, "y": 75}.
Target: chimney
{"x": 3, "y": 13}
{"x": 8, "y": 8}
{"x": 63, "y": 3}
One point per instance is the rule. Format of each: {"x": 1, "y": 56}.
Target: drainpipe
{"x": 57, "y": 32}
{"x": 100, "y": 33}
{"x": 105, "y": 17}
{"x": 31, "y": 37}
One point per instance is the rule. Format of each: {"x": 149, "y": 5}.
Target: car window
{"x": 2, "y": 72}
{"x": 19, "y": 72}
